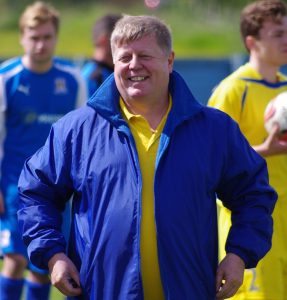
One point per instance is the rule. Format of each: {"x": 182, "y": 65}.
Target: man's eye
{"x": 278, "y": 35}
{"x": 145, "y": 57}
{"x": 125, "y": 59}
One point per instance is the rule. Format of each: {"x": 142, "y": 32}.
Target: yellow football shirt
{"x": 244, "y": 95}
{"x": 147, "y": 141}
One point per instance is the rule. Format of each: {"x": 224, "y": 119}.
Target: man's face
{"x": 271, "y": 46}
{"x": 39, "y": 43}
{"x": 142, "y": 70}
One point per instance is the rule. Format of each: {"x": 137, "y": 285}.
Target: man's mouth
{"x": 137, "y": 78}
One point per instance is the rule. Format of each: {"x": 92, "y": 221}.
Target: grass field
{"x": 55, "y": 294}
{"x": 198, "y": 30}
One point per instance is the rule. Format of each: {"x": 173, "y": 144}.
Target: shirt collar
{"x": 128, "y": 115}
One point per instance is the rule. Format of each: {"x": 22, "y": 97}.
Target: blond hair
{"x": 132, "y": 28}
{"x": 39, "y": 13}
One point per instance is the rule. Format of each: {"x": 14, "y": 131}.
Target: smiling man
{"x": 144, "y": 162}
{"x": 35, "y": 91}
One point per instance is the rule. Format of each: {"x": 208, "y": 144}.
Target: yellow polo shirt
{"x": 147, "y": 141}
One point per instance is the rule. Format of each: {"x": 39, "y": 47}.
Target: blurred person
{"x": 101, "y": 66}
{"x": 144, "y": 162}
{"x": 35, "y": 91}
{"x": 244, "y": 95}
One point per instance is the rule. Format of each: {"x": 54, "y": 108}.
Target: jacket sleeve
{"x": 44, "y": 188}
{"x": 3, "y": 107}
{"x": 244, "y": 189}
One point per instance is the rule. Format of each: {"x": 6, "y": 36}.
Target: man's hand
{"x": 229, "y": 276}
{"x": 2, "y": 206}
{"x": 272, "y": 145}
{"x": 64, "y": 275}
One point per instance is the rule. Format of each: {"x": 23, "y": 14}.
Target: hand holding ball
{"x": 276, "y": 112}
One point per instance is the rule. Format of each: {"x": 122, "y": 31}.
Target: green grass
{"x": 204, "y": 30}
{"x": 55, "y": 294}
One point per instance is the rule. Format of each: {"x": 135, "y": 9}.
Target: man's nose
{"x": 135, "y": 61}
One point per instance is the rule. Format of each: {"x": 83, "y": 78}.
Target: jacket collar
{"x": 106, "y": 102}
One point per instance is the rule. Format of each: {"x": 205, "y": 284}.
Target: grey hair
{"x": 132, "y": 28}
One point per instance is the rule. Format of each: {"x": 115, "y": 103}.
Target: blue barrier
{"x": 202, "y": 74}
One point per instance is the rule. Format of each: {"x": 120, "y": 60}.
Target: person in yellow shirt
{"x": 244, "y": 95}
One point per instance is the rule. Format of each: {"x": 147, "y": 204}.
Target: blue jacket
{"x": 91, "y": 153}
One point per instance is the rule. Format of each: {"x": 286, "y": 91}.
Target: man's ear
{"x": 102, "y": 40}
{"x": 171, "y": 61}
{"x": 20, "y": 39}
{"x": 250, "y": 42}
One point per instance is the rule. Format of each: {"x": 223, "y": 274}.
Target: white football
{"x": 276, "y": 112}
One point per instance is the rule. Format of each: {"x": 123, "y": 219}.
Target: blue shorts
{"x": 10, "y": 236}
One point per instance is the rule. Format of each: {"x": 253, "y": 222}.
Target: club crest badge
{"x": 60, "y": 86}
